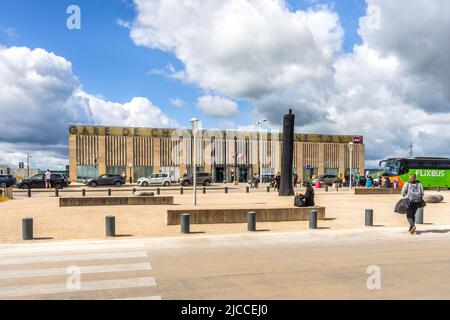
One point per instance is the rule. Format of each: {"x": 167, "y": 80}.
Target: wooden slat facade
{"x": 111, "y": 149}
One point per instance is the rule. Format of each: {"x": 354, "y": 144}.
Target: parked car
{"x": 326, "y": 179}
{"x": 7, "y": 180}
{"x": 203, "y": 178}
{"x": 57, "y": 181}
{"x": 107, "y": 179}
{"x": 157, "y": 179}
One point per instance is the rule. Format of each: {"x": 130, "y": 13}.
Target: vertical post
{"x": 251, "y": 221}
{"x": 110, "y": 226}
{"x": 185, "y": 228}
{"x": 158, "y": 191}
{"x": 27, "y": 228}
{"x": 326, "y": 188}
{"x": 181, "y": 190}
{"x": 109, "y": 192}
{"x": 350, "y": 151}
{"x": 204, "y": 190}
{"x": 56, "y": 192}
{"x": 313, "y": 219}
{"x": 247, "y": 189}
{"x": 267, "y": 189}
{"x": 419, "y": 216}
{"x": 226, "y": 189}
{"x": 83, "y": 192}
{"x": 369, "y": 218}
{"x": 29, "y": 192}
{"x": 194, "y": 157}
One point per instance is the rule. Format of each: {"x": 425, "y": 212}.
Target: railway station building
{"x": 96, "y": 150}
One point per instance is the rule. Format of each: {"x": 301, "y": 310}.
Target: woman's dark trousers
{"x": 411, "y": 213}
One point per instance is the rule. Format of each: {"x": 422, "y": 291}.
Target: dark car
{"x": 203, "y": 178}
{"x": 57, "y": 181}
{"x": 7, "y": 180}
{"x": 106, "y": 180}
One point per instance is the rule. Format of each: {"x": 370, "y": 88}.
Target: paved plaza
{"x": 70, "y": 257}
{"x": 343, "y": 211}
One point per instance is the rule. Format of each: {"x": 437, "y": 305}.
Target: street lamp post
{"x": 350, "y": 151}
{"x": 261, "y": 122}
{"x": 194, "y": 123}
{"x": 28, "y": 164}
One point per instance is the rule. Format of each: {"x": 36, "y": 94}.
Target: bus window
{"x": 391, "y": 168}
{"x": 403, "y": 168}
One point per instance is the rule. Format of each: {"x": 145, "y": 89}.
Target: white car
{"x": 156, "y": 179}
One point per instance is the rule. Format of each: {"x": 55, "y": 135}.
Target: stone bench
{"x": 237, "y": 215}
{"x": 115, "y": 201}
{"x": 377, "y": 191}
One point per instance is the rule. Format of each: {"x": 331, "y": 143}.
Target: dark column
{"x": 287, "y": 155}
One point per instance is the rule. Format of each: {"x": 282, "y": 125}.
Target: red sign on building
{"x": 357, "y": 139}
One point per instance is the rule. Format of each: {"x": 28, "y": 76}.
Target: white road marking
{"x": 77, "y": 257}
{"x": 70, "y": 245}
{"x": 94, "y": 285}
{"x": 142, "y": 298}
{"x": 7, "y": 274}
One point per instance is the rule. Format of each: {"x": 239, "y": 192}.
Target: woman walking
{"x": 413, "y": 191}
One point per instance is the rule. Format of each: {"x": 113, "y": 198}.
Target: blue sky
{"x": 106, "y": 60}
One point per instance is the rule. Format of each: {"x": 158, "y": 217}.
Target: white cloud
{"x": 217, "y": 107}
{"x": 40, "y": 96}
{"x": 10, "y": 32}
{"x": 241, "y": 48}
{"x": 177, "y": 102}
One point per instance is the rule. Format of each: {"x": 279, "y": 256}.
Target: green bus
{"x": 430, "y": 171}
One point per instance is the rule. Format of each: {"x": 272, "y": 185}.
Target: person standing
{"x": 295, "y": 180}
{"x": 413, "y": 191}
{"x": 277, "y": 181}
{"x": 48, "y": 179}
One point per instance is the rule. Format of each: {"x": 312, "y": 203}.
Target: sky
{"x": 376, "y": 68}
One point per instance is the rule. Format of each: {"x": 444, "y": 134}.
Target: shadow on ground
{"x": 433, "y": 231}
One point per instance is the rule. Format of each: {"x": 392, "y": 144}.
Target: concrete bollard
{"x": 247, "y": 189}
{"x": 204, "y": 190}
{"x": 369, "y": 218}
{"x": 313, "y": 219}
{"x": 226, "y": 189}
{"x": 181, "y": 190}
{"x": 185, "y": 228}
{"x": 29, "y": 192}
{"x": 419, "y": 216}
{"x": 109, "y": 192}
{"x": 83, "y": 192}
{"x": 158, "y": 191}
{"x": 56, "y": 192}
{"x": 110, "y": 223}
{"x": 267, "y": 189}
{"x": 27, "y": 228}
{"x": 251, "y": 221}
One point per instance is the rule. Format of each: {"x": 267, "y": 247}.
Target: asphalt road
{"x": 322, "y": 264}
